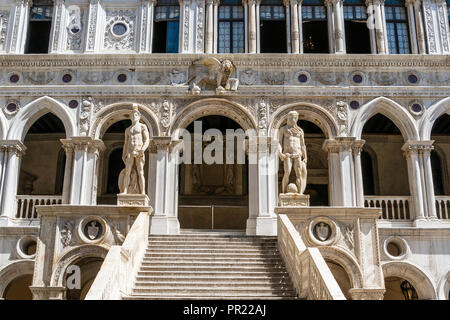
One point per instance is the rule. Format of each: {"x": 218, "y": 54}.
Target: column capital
{"x": 164, "y": 144}
{"x": 86, "y": 144}
{"x": 357, "y": 146}
{"x": 411, "y": 147}
{"x": 15, "y": 146}
{"x": 332, "y": 2}
{"x": 27, "y": 3}
{"x": 339, "y": 144}
{"x": 367, "y": 294}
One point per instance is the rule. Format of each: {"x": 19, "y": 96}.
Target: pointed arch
{"x": 431, "y": 114}
{"x": 444, "y": 287}
{"x": 414, "y": 274}
{"x": 121, "y": 111}
{"x": 213, "y": 106}
{"x": 307, "y": 111}
{"x": 392, "y": 110}
{"x": 36, "y": 109}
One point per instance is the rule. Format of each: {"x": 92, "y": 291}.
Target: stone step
{"x": 213, "y": 259}
{"x": 216, "y": 278}
{"x": 235, "y": 274}
{"x": 214, "y": 291}
{"x": 182, "y": 263}
{"x": 194, "y": 268}
{"x": 199, "y": 245}
{"x": 212, "y": 238}
{"x": 213, "y": 284}
{"x": 183, "y": 255}
{"x": 215, "y": 250}
{"x": 188, "y": 296}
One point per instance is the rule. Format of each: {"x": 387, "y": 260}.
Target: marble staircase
{"x": 212, "y": 265}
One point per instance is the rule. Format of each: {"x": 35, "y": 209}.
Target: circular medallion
{"x": 73, "y": 104}
{"x": 354, "y": 105}
{"x": 14, "y": 78}
{"x": 322, "y": 231}
{"x": 119, "y": 29}
{"x": 412, "y": 78}
{"x": 67, "y": 78}
{"x": 122, "y": 77}
{"x": 93, "y": 230}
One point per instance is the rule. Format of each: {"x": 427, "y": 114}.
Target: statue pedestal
{"x": 133, "y": 200}
{"x": 293, "y": 200}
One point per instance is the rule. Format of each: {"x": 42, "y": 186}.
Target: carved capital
{"x": 165, "y": 144}
{"x": 367, "y": 294}
{"x": 339, "y": 144}
{"x": 357, "y": 146}
{"x": 84, "y": 144}
{"x": 411, "y": 148}
{"x": 13, "y": 146}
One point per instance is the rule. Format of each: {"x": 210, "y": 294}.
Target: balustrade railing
{"x": 26, "y": 204}
{"x": 443, "y": 207}
{"x": 393, "y": 207}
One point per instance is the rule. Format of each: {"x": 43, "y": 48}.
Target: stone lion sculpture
{"x": 213, "y": 72}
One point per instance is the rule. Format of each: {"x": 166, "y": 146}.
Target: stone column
{"x": 380, "y": 32}
{"x": 295, "y": 38}
{"x": 15, "y": 149}
{"x": 429, "y": 200}
{"x": 340, "y": 169}
{"x": 3, "y": 162}
{"x": 263, "y": 179}
{"x": 84, "y": 173}
{"x": 300, "y": 25}
{"x": 339, "y": 34}
{"x": 330, "y": 22}
{"x": 359, "y": 187}
{"x": 416, "y": 185}
{"x": 412, "y": 25}
{"x": 209, "y": 33}
{"x": 19, "y": 15}
{"x": 94, "y": 32}
{"x": 146, "y": 30}
{"x": 58, "y": 27}
{"x": 419, "y": 26}
{"x": 163, "y": 185}
{"x": 67, "y": 183}
{"x": 251, "y": 26}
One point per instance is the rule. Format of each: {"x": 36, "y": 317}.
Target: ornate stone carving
{"x": 274, "y": 78}
{"x": 165, "y": 115}
{"x": 136, "y": 142}
{"x": 66, "y": 233}
{"x": 248, "y": 77}
{"x": 428, "y": 15}
{"x": 342, "y": 118}
{"x": 93, "y": 11}
{"x": 120, "y": 41}
{"x": 330, "y": 78}
{"x": 75, "y": 28}
{"x": 262, "y": 115}
{"x": 96, "y": 77}
{"x": 148, "y": 78}
{"x": 40, "y": 78}
{"x": 4, "y": 19}
{"x": 86, "y": 109}
{"x": 177, "y": 77}
{"x": 118, "y": 236}
{"x": 215, "y": 73}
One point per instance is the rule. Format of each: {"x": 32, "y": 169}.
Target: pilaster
{"x": 94, "y": 33}
{"x": 163, "y": 185}
{"x": 58, "y": 25}
{"x": 19, "y": 14}
{"x": 146, "y": 31}
{"x": 263, "y": 176}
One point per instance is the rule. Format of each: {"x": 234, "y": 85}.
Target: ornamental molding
{"x": 4, "y": 19}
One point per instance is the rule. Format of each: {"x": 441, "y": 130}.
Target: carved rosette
{"x": 120, "y": 41}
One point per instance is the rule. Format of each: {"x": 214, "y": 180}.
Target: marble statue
{"x": 137, "y": 140}
{"x": 292, "y": 152}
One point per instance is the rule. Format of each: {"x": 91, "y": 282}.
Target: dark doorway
{"x": 367, "y": 173}
{"x": 38, "y": 37}
{"x": 315, "y": 37}
{"x": 357, "y": 37}
{"x": 115, "y": 165}
{"x": 273, "y": 36}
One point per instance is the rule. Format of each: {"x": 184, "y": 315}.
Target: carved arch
{"x": 213, "y": 106}
{"x": 414, "y": 274}
{"x": 443, "y": 289}
{"x": 307, "y": 111}
{"x": 70, "y": 257}
{"x": 346, "y": 261}
{"x": 36, "y": 109}
{"x": 431, "y": 114}
{"x": 121, "y": 111}
{"x": 14, "y": 270}
{"x": 392, "y": 110}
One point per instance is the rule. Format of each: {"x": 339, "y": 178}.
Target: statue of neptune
{"x": 136, "y": 142}
{"x": 292, "y": 152}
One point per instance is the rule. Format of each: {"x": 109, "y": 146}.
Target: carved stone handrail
{"x": 26, "y": 204}
{"x": 308, "y": 270}
{"x": 393, "y": 207}
{"x": 116, "y": 276}
{"x": 443, "y": 207}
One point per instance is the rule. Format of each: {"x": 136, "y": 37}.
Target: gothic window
{"x": 357, "y": 35}
{"x": 273, "y": 33}
{"x": 315, "y": 27}
{"x": 40, "y": 23}
{"x": 231, "y": 27}
{"x": 166, "y": 27}
{"x": 397, "y": 26}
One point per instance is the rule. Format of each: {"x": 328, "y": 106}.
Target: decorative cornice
{"x": 415, "y": 147}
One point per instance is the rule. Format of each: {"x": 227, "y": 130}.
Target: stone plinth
{"x": 132, "y": 200}
{"x": 293, "y": 200}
